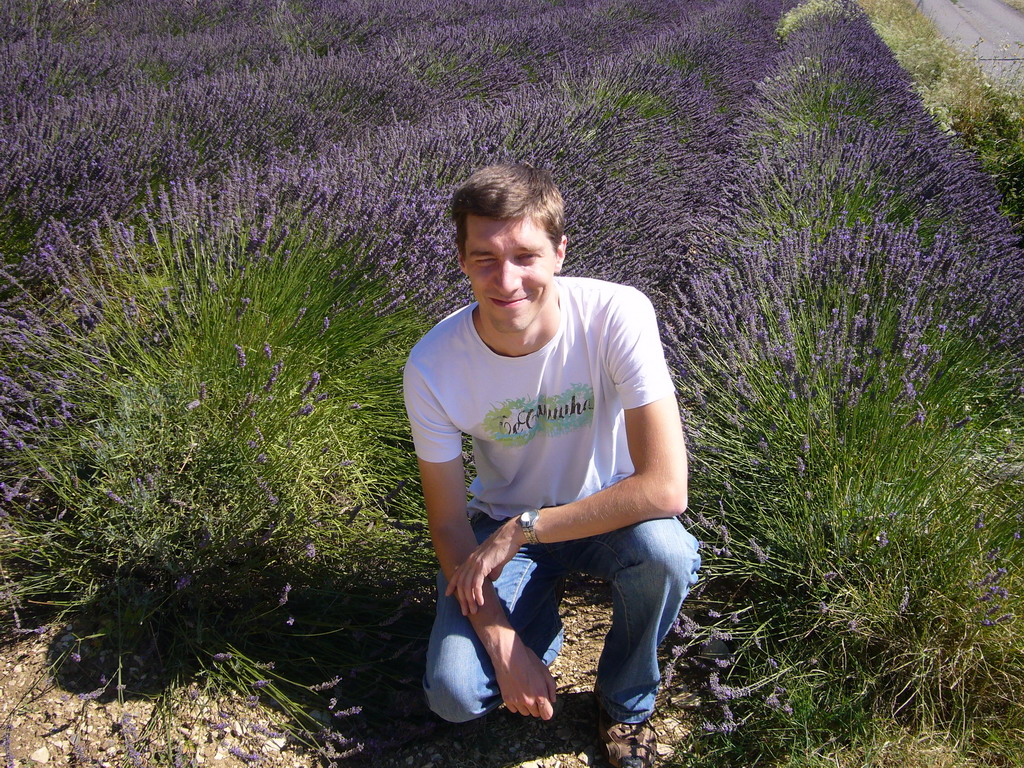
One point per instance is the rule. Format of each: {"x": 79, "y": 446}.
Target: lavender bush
{"x": 196, "y": 395}
{"x": 204, "y": 417}
{"x": 836, "y": 136}
{"x": 861, "y": 434}
{"x": 849, "y": 361}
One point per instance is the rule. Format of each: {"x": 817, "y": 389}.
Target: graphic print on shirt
{"x": 516, "y": 422}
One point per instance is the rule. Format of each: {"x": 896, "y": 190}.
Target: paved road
{"x": 992, "y": 30}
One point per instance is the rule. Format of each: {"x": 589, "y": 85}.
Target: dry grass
{"x": 899, "y": 749}
{"x": 949, "y": 81}
{"x": 1018, "y": 4}
{"x": 988, "y": 115}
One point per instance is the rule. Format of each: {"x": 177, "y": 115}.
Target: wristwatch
{"x": 527, "y": 521}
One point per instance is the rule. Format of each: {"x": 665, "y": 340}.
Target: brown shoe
{"x": 626, "y": 745}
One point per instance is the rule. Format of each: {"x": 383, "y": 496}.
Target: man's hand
{"x": 486, "y": 561}
{"x": 527, "y": 686}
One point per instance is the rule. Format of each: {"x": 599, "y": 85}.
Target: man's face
{"x": 511, "y": 266}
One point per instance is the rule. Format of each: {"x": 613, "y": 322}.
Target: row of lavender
{"x": 130, "y": 97}
{"x": 224, "y": 226}
{"x": 849, "y": 353}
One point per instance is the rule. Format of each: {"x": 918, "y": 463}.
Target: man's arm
{"x": 657, "y": 488}
{"x": 525, "y": 682}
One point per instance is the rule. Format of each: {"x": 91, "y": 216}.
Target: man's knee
{"x": 668, "y": 550}
{"x": 458, "y": 685}
{"x": 453, "y": 696}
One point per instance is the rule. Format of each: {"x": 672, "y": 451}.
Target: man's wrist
{"x": 527, "y": 524}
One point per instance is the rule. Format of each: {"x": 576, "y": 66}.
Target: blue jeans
{"x": 651, "y": 567}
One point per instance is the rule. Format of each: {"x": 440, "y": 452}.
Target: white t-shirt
{"x": 548, "y": 427}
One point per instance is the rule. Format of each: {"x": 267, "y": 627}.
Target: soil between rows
{"x": 50, "y": 725}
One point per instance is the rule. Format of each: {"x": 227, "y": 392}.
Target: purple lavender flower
{"x": 241, "y": 754}
{"x": 130, "y": 735}
{"x": 265, "y": 487}
{"x": 241, "y": 356}
{"x": 760, "y": 554}
{"x": 245, "y": 302}
{"x": 312, "y": 384}
{"x": 728, "y": 723}
{"x": 326, "y": 684}
{"x": 275, "y": 372}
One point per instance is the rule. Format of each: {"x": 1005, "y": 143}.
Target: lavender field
{"x": 223, "y": 227}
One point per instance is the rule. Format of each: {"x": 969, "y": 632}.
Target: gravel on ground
{"x": 44, "y": 723}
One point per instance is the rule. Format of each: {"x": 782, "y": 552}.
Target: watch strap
{"x": 527, "y": 521}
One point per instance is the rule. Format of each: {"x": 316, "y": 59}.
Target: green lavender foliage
{"x": 234, "y": 424}
{"x": 850, "y": 368}
{"x": 843, "y": 499}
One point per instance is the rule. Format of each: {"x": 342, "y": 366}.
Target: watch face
{"x": 526, "y": 522}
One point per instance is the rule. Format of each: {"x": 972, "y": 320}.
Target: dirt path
{"x": 990, "y": 29}
{"x": 43, "y": 724}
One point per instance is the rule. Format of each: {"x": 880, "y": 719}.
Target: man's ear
{"x": 560, "y": 255}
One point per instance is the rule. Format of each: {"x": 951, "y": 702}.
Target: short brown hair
{"x": 510, "y": 192}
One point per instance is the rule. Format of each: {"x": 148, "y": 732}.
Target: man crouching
{"x": 581, "y": 466}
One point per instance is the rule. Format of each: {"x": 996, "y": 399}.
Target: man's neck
{"x": 520, "y": 344}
